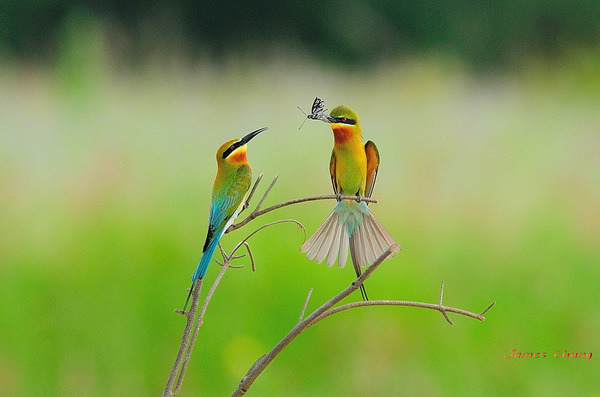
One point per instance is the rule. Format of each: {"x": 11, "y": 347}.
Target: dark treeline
{"x": 484, "y": 33}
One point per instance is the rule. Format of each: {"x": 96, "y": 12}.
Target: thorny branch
{"x": 194, "y": 319}
{"x": 327, "y": 310}
{"x": 439, "y": 307}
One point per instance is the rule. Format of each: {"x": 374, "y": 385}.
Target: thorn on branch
{"x": 441, "y": 306}
{"x": 304, "y": 306}
{"x": 487, "y": 309}
{"x": 247, "y": 203}
{"x": 266, "y": 193}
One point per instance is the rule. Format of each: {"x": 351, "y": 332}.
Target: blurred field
{"x": 489, "y": 182}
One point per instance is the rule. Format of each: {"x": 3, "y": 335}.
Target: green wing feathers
{"x": 332, "y": 169}
{"x": 227, "y": 201}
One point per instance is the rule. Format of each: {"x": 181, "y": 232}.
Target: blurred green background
{"x": 488, "y": 124}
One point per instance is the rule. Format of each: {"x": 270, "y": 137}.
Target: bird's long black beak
{"x": 251, "y": 135}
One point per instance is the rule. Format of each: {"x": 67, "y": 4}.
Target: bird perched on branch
{"x": 353, "y": 168}
{"x": 230, "y": 190}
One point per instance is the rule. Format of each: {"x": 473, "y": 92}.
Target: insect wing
{"x": 318, "y": 110}
{"x": 317, "y": 106}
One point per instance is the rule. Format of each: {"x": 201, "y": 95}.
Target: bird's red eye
{"x": 344, "y": 120}
{"x": 231, "y": 147}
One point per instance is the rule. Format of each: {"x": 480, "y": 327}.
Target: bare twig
{"x": 487, "y": 308}
{"x": 185, "y": 341}
{"x": 231, "y": 266}
{"x": 263, "y": 361}
{"x": 247, "y": 203}
{"x": 266, "y": 193}
{"x": 441, "y": 307}
{"x": 223, "y": 254}
{"x": 265, "y": 226}
{"x": 250, "y": 255}
{"x": 305, "y": 304}
{"x": 433, "y": 306}
{"x": 199, "y": 323}
{"x": 257, "y": 212}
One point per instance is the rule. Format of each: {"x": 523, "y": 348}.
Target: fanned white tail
{"x": 350, "y": 225}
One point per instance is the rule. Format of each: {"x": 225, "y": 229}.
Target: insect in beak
{"x": 317, "y": 112}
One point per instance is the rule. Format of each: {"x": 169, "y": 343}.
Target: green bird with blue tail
{"x": 230, "y": 190}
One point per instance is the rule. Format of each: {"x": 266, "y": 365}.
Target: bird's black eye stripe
{"x": 230, "y": 149}
{"x": 345, "y": 120}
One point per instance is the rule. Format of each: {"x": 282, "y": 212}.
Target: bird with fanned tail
{"x": 351, "y": 225}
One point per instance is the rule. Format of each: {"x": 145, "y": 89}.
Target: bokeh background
{"x": 488, "y": 124}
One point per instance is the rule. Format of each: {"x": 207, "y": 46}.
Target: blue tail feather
{"x": 206, "y": 259}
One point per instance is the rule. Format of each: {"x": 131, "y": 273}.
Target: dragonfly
{"x": 317, "y": 111}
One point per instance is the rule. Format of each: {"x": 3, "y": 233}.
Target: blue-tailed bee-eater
{"x": 353, "y": 168}
{"x": 230, "y": 190}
